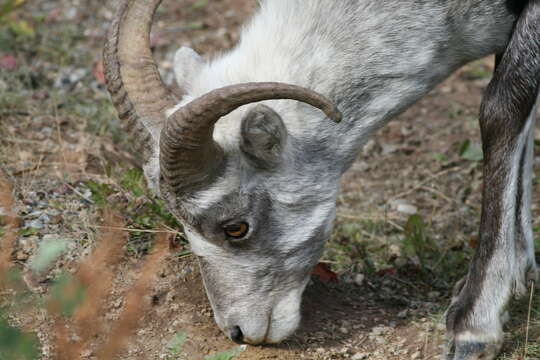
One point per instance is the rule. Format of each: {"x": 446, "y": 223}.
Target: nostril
{"x": 236, "y": 335}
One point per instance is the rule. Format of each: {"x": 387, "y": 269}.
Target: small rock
{"x": 378, "y": 330}
{"x": 359, "y": 279}
{"x": 343, "y": 330}
{"x": 33, "y": 214}
{"x": 389, "y": 148}
{"x": 44, "y": 218}
{"x": 416, "y": 355}
{"x": 369, "y": 147}
{"x": 402, "y": 206}
{"x": 403, "y": 314}
{"x": 53, "y": 212}
{"x": 28, "y": 244}
{"x": 87, "y": 353}
{"x": 394, "y": 250}
{"x": 118, "y": 303}
{"x": 407, "y": 209}
{"x": 21, "y": 256}
{"x": 360, "y": 356}
{"x": 446, "y": 89}
{"x": 37, "y": 224}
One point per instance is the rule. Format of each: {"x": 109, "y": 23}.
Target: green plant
{"x": 67, "y": 294}
{"x": 199, "y": 4}
{"x": 8, "y": 7}
{"x": 15, "y": 344}
{"x": 142, "y": 211}
{"x": 100, "y": 192}
{"x": 12, "y": 27}
{"x": 416, "y": 242}
{"x": 471, "y": 151}
{"x": 175, "y": 346}
{"x": 439, "y": 157}
{"x": 226, "y": 355}
{"x": 477, "y": 70}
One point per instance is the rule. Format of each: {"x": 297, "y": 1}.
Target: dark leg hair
{"x": 504, "y": 260}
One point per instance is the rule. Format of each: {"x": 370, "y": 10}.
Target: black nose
{"x": 236, "y": 335}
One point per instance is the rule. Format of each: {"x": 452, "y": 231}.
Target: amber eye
{"x": 236, "y": 231}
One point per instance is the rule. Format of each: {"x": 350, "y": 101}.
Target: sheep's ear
{"x": 263, "y": 137}
{"x": 187, "y": 65}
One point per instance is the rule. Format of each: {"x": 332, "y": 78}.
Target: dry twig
{"x": 8, "y": 240}
{"x": 134, "y": 307}
{"x": 96, "y": 275}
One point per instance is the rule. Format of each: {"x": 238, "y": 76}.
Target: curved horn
{"x": 188, "y": 154}
{"x": 132, "y": 78}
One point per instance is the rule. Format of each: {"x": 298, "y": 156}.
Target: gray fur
{"x": 263, "y": 137}
{"x": 373, "y": 58}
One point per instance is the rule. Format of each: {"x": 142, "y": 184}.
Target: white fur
{"x": 505, "y": 270}
{"x": 285, "y": 315}
{"x": 373, "y": 59}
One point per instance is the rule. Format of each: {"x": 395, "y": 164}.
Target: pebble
{"x": 403, "y": 314}
{"x": 70, "y": 76}
{"x": 118, "y": 303}
{"x": 22, "y": 256}
{"x": 416, "y": 355}
{"x": 87, "y": 353}
{"x": 389, "y": 148}
{"x": 394, "y": 250}
{"x": 360, "y": 356}
{"x": 359, "y": 279}
{"x": 37, "y": 224}
{"x": 403, "y": 206}
{"x": 407, "y": 209}
{"x": 378, "y": 330}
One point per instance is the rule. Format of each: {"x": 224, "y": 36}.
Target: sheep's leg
{"x": 503, "y": 264}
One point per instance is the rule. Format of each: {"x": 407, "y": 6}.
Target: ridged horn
{"x": 188, "y": 154}
{"x": 132, "y": 77}
{"x": 189, "y": 157}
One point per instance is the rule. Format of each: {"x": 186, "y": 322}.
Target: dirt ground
{"x": 60, "y": 145}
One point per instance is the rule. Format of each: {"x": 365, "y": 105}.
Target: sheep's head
{"x": 254, "y": 216}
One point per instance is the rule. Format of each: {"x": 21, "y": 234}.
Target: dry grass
{"x": 95, "y": 275}
{"x": 134, "y": 306}
{"x": 8, "y": 240}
